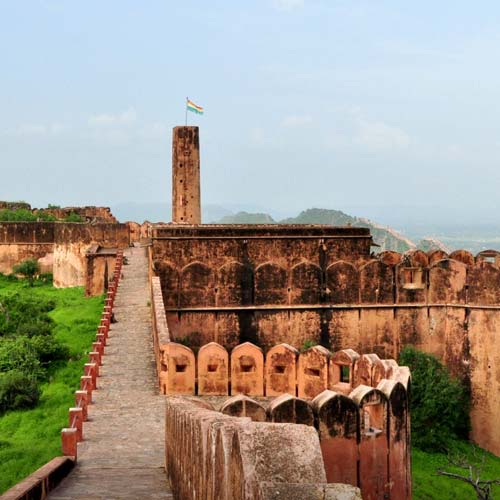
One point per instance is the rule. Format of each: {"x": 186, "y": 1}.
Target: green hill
{"x": 386, "y": 237}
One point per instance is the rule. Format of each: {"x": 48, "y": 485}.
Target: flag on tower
{"x": 191, "y": 106}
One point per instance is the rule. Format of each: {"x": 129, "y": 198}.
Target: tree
{"x": 472, "y": 475}
{"x": 439, "y": 404}
{"x": 29, "y": 269}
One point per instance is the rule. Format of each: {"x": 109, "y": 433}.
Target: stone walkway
{"x": 122, "y": 454}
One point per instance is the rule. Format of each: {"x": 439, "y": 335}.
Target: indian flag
{"x": 191, "y": 106}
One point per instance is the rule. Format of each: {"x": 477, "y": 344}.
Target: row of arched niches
{"x": 387, "y": 278}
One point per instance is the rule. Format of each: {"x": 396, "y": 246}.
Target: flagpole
{"x": 187, "y": 99}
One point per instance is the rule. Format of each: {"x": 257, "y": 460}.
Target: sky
{"x": 385, "y": 109}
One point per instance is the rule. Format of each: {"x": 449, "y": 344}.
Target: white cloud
{"x": 378, "y": 136}
{"x": 287, "y": 5}
{"x": 296, "y": 121}
{"x": 127, "y": 117}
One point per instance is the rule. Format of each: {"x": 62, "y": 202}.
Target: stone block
{"x": 69, "y": 442}
{"x": 213, "y": 370}
{"x": 177, "y": 374}
{"x": 247, "y": 370}
{"x": 399, "y": 439}
{"x": 281, "y": 370}
{"x": 364, "y": 368}
{"x": 243, "y": 406}
{"x": 312, "y": 376}
{"x": 76, "y": 421}
{"x": 373, "y": 441}
{"x": 289, "y": 409}
{"x": 338, "y": 427}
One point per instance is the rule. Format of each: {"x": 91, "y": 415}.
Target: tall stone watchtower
{"x": 186, "y": 205}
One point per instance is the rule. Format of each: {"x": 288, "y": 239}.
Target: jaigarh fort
{"x": 198, "y": 376}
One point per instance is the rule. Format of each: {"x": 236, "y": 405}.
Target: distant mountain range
{"x": 386, "y": 237}
{"x": 430, "y": 235}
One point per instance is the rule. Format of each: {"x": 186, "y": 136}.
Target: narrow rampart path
{"x": 122, "y": 454}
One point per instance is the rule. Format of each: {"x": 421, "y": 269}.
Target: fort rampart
{"x": 358, "y": 405}
{"x": 304, "y": 284}
{"x": 212, "y": 455}
{"x": 62, "y": 244}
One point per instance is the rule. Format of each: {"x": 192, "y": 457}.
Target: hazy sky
{"x": 345, "y": 104}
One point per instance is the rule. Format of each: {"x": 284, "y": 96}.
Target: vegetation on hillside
{"x": 387, "y": 238}
{"x": 26, "y": 215}
{"x": 439, "y": 403}
{"x": 46, "y": 333}
{"x": 440, "y": 425}
{"x": 247, "y": 218}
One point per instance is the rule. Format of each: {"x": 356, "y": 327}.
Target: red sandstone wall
{"x": 213, "y": 291}
{"x": 24, "y": 240}
{"x": 211, "y": 455}
{"x": 67, "y": 241}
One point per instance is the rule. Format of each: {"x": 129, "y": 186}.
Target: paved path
{"x": 122, "y": 454}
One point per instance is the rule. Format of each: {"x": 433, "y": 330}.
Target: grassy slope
{"x": 30, "y": 438}
{"x": 428, "y": 485}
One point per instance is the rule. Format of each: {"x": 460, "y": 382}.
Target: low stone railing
{"x": 161, "y": 335}
{"x": 38, "y": 484}
{"x": 72, "y": 435}
{"x": 211, "y": 455}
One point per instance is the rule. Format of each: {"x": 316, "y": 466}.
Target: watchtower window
{"x": 345, "y": 373}
{"x": 279, "y": 369}
{"x": 373, "y": 419}
{"x": 413, "y": 278}
{"x": 313, "y": 372}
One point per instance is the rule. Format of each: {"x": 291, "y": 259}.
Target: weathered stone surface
{"x": 338, "y": 428}
{"x": 178, "y": 371}
{"x": 242, "y": 406}
{"x": 281, "y": 370}
{"x": 213, "y": 368}
{"x": 312, "y": 374}
{"x": 247, "y": 370}
{"x": 289, "y": 409}
{"x": 186, "y": 205}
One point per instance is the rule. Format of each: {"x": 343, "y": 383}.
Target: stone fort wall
{"x": 294, "y": 287}
{"x": 64, "y": 244}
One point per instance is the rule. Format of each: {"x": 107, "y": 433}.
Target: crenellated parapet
{"x": 214, "y": 371}
{"x": 358, "y": 406}
{"x": 387, "y": 278}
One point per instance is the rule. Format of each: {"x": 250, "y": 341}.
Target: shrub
{"x": 19, "y": 354}
{"x": 73, "y": 217}
{"x": 18, "y": 390}
{"x": 28, "y": 268}
{"x": 439, "y": 404}
{"x": 307, "y": 344}
{"x": 35, "y": 328}
{"x": 48, "y": 349}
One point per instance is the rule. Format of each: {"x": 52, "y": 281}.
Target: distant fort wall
{"x": 334, "y": 292}
{"x": 63, "y": 244}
